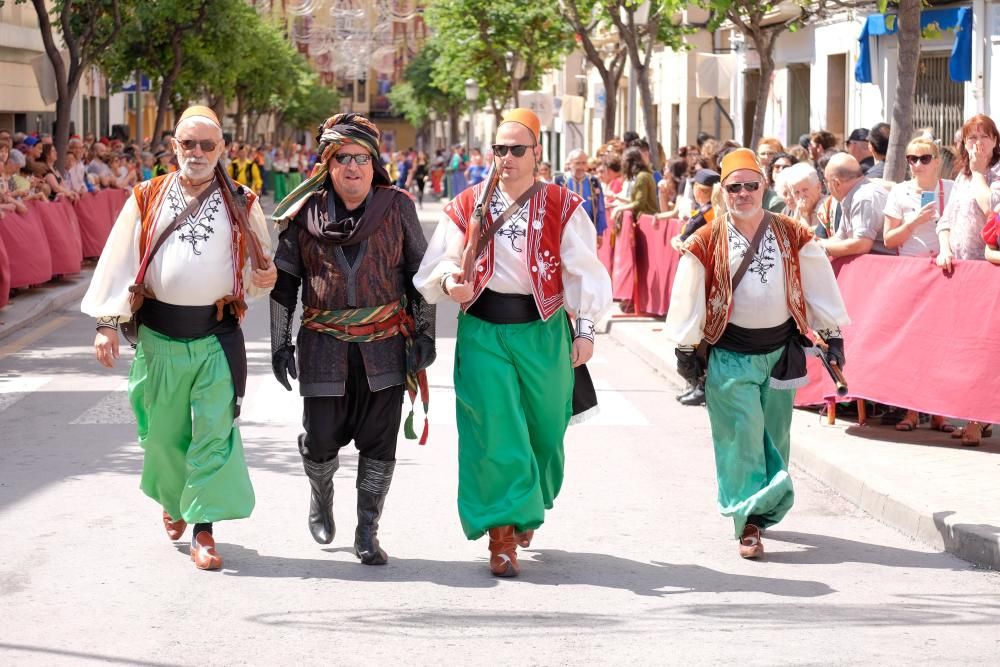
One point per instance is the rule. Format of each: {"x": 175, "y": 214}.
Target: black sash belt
{"x": 498, "y": 308}
{"x": 791, "y": 366}
{"x": 198, "y": 322}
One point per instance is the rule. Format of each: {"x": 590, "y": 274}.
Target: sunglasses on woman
{"x": 751, "y": 186}
{"x": 517, "y": 150}
{"x": 922, "y": 159}
{"x": 207, "y": 145}
{"x": 360, "y": 159}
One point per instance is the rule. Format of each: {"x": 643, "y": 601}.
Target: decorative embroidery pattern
{"x": 516, "y": 228}
{"x": 198, "y": 228}
{"x": 764, "y": 258}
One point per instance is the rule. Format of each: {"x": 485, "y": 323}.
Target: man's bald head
{"x": 843, "y": 166}
{"x": 842, "y": 172}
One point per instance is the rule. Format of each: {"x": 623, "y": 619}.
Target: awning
{"x": 957, "y": 19}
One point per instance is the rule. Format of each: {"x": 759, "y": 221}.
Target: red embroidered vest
{"x": 710, "y": 245}
{"x": 149, "y": 198}
{"x": 548, "y": 212}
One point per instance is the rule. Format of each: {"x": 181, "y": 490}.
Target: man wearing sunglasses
{"x": 351, "y": 242}
{"x": 516, "y": 349}
{"x": 749, "y": 286}
{"x": 860, "y": 208}
{"x": 179, "y": 243}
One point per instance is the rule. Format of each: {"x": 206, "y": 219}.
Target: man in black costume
{"x": 353, "y": 243}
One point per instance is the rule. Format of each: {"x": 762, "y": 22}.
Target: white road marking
{"x": 14, "y": 388}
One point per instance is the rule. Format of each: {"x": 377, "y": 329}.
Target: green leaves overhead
{"x": 474, "y": 37}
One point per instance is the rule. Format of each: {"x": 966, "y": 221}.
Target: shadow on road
{"x": 548, "y": 567}
{"x": 827, "y": 550}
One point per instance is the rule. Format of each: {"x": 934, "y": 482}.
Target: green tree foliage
{"x": 87, "y": 28}
{"x": 418, "y": 94}
{"x": 309, "y": 104}
{"x": 474, "y": 38}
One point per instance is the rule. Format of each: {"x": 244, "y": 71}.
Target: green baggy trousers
{"x": 181, "y": 391}
{"x": 513, "y": 394}
{"x": 750, "y": 430}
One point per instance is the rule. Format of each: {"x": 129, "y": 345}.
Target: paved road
{"x": 634, "y": 565}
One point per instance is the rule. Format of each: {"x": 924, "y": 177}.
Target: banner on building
{"x": 714, "y": 74}
{"x": 46, "y": 76}
{"x": 572, "y": 108}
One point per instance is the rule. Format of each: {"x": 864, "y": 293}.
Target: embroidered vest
{"x": 149, "y": 197}
{"x": 548, "y": 212}
{"x": 710, "y": 245}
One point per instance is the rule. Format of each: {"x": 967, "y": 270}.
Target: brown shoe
{"x": 203, "y": 552}
{"x": 750, "y": 544}
{"x": 503, "y": 552}
{"x": 175, "y": 529}
{"x": 524, "y": 539}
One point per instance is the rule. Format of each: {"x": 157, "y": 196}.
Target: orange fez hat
{"x": 525, "y": 117}
{"x": 199, "y": 110}
{"x": 741, "y": 158}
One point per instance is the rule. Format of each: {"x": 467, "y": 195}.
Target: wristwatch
{"x": 444, "y": 284}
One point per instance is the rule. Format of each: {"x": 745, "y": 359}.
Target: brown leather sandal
{"x": 175, "y": 529}
{"x": 503, "y": 552}
{"x": 908, "y": 422}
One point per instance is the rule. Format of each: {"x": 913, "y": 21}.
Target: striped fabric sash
{"x": 365, "y": 325}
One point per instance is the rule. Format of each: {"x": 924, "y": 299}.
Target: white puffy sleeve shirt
{"x": 586, "y": 284}
{"x": 194, "y": 267}
{"x": 760, "y": 301}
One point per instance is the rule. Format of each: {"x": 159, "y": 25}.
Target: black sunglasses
{"x": 517, "y": 150}
{"x": 360, "y": 159}
{"x": 751, "y": 186}
{"x": 207, "y": 145}
{"x": 922, "y": 159}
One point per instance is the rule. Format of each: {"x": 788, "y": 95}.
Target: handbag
{"x": 137, "y": 290}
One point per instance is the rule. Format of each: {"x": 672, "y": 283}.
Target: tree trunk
{"x": 901, "y": 127}
{"x": 648, "y": 114}
{"x": 764, "y": 43}
{"x": 163, "y": 103}
{"x": 610, "y": 109}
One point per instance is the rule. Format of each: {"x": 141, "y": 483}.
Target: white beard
{"x": 195, "y": 169}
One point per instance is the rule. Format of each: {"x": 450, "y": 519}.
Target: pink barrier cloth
{"x": 27, "y": 250}
{"x": 606, "y": 252}
{"x": 62, "y": 230}
{"x": 919, "y": 339}
{"x": 4, "y": 273}
{"x": 93, "y": 211}
{"x": 656, "y": 263}
{"x": 623, "y": 274}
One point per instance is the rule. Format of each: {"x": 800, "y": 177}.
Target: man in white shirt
{"x": 190, "y": 368}
{"x": 516, "y": 350}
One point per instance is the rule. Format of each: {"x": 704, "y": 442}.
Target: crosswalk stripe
{"x": 13, "y": 389}
{"x": 34, "y": 334}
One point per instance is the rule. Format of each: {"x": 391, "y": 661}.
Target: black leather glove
{"x": 283, "y": 365}
{"x": 835, "y": 351}
{"x": 422, "y": 353}
{"x": 282, "y": 350}
{"x": 688, "y": 364}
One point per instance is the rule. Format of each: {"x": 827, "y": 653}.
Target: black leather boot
{"x": 374, "y": 478}
{"x": 320, "y": 476}
{"x": 696, "y": 396}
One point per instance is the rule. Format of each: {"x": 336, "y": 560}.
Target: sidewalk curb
{"x": 45, "y": 301}
{"x": 975, "y": 543}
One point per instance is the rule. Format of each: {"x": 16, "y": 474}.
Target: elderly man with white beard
{"x": 184, "y": 252}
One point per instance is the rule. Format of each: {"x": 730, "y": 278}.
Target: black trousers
{"x": 370, "y": 419}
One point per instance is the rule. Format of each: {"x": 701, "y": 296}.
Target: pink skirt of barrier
{"x": 27, "y": 250}
{"x": 62, "y": 231}
{"x": 4, "y": 273}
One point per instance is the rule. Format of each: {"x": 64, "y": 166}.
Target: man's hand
{"x": 458, "y": 290}
{"x": 265, "y": 278}
{"x": 835, "y": 352}
{"x": 283, "y": 365}
{"x": 106, "y": 346}
{"x": 583, "y": 350}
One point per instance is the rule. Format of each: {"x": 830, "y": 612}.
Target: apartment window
{"x": 798, "y": 102}
{"x": 836, "y": 95}
{"x": 939, "y": 102}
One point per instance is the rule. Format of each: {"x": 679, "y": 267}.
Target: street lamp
{"x": 471, "y": 96}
